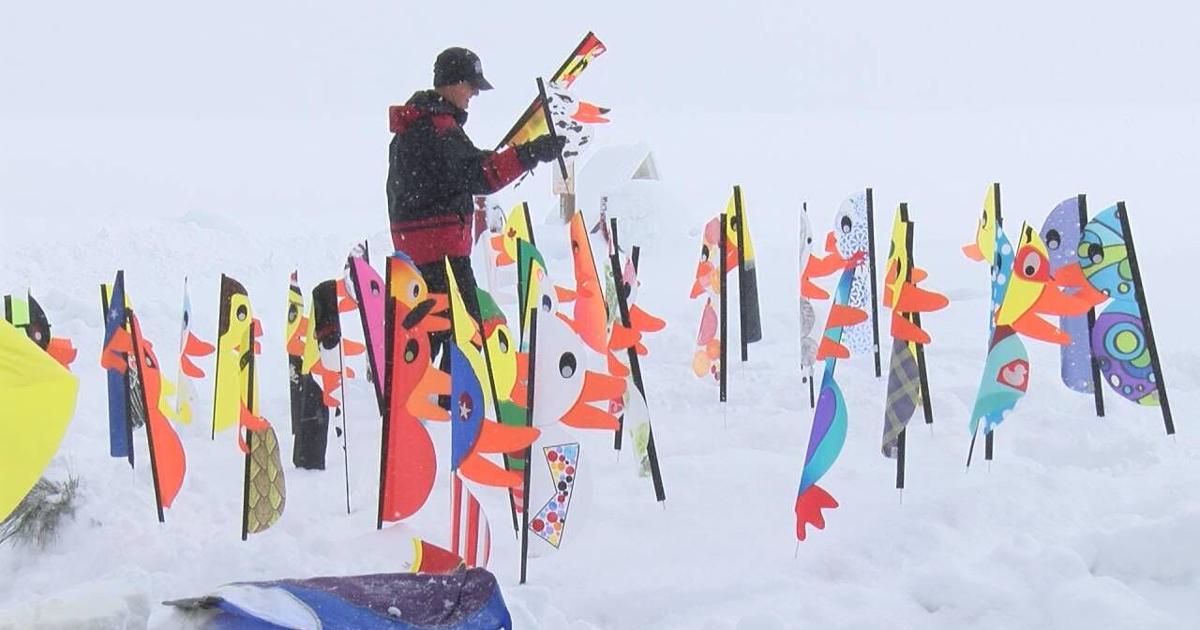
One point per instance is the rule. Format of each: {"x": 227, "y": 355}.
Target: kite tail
{"x": 808, "y": 509}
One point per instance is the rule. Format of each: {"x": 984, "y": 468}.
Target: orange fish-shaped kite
{"x": 410, "y": 461}
{"x": 167, "y": 454}
{"x": 590, "y": 314}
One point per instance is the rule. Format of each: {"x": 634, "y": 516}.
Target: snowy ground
{"x": 1079, "y": 523}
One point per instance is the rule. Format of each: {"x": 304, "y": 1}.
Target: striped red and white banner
{"x": 470, "y": 536}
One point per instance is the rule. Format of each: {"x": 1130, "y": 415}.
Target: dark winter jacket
{"x": 433, "y": 172}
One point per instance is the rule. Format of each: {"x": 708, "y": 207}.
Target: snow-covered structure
{"x": 628, "y": 176}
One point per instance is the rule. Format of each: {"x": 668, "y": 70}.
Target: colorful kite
{"x": 634, "y": 322}
{"x": 738, "y": 234}
{"x": 532, "y": 123}
{"x": 368, "y": 290}
{"x": 1022, "y": 291}
{"x": 264, "y": 492}
{"x": 562, "y": 392}
{"x": 126, "y": 409}
{"x": 589, "y": 318}
{"x": 726, "y": 245}
{"x": 1007, "y": 361}
{"x": 829, "y": 418}
{"x": 717, "y": 257}
{"x": 1122, "y": 338}
{"x": 1061, "y": 232}
{"x": 908, "y": 381}
{"x": 854, "y": 226}
{"x": 310, "y": 415}
{"x": 232, "y": 378}
{"x": 408, "y": 461}
{"x": 473, "y": 435}
{"x": 38, "y": 397}
{"x": 574, "y": 119}
{"x": 548, "y": 523}
{"x": 168, "y": 463}
{"x": 190, "y": 346}
{"x": 324, "y": 357}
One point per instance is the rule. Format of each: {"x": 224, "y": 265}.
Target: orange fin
{"x": 189, "y": 368}
{"x": 1072, "y": 276}
{"x": 914, "y": 299}
{"x": 196, "y": 347}
{"x": 973, "y": 252}
{"x": 812, "y": 291}
{"x": 1053, "y": 301}
{"x": 1035, "y": 327}
{"x": 645, "y": 322}
{"x": 61, "y": 349}
{"x": 919, "y": 275}
{"x": 598, "y": 387}
{"x": 819, "y": 267}
{"x": 830, "y": 348}
{"x": 502, "y": 438}
{"x": 353, "y": 348}
{"x": 623, "y": 338}
{"x": 841, "y": 315}
{"x": 585, "y": 416}
{"x": 908, "y": 331}
{"x": 482, "y": 471}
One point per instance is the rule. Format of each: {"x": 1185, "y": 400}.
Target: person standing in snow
{"x": 434, "y": 171}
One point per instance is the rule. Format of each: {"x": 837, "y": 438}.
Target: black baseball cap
{"x": 459, "y": 64}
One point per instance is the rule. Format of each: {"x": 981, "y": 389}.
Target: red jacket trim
{"x": 429, "y": 240}
{"x": 502, "y": 168}
{"x": 401, "y": 117}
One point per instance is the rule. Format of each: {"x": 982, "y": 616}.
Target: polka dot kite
{"x": 563, "y": 461}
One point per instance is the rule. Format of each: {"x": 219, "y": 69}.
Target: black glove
{"x": 545, "y": 148}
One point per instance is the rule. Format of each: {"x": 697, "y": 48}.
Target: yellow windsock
{"x": 37, "y": 401}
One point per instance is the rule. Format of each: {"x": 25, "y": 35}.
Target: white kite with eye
{"x": 559, "y": 371}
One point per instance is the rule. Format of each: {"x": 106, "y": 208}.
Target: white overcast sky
{"x": 225, "y": 58}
